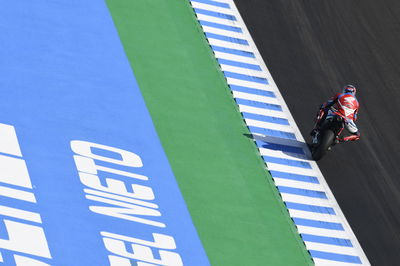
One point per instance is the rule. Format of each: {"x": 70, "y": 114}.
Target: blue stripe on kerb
{"x": 269, "y": 106}
{"x": 310, "y": 208}
{"x": 226, "y": 38}
{"x": 213, "y": 3}
{"x": 214, "y": 14}
{"x": 334, "y": 256}
{"x": 234, "y": 75}
{"x": 232, "y": 51}
{"x": 318, "y": 224}
{"x": 272, "y": 132}
{"x": 239, "y": 64}
{"x": 220, "y": 26}
{"x": 289, "y": 162}
{"x": 327, "y": 240}
{"x": 302, "y": 192}
{"x": 297, "y": 177}
{"x": 252, "y": 91}
{"x": 269, "y": 119}
{"x": 279, "y": 147}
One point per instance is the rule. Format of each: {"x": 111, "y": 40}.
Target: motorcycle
{"x": 329, "y": 132}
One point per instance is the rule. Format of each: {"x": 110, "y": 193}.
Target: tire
{"x": 325, "y": 142}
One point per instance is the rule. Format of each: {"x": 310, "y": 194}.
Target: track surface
{"x": 312, "y": 49}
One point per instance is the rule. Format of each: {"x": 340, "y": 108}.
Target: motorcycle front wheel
{"x": 324, "y": 143}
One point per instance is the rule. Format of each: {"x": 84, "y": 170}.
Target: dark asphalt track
{"x": 312, "y": 48}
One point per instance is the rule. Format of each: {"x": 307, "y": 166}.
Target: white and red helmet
{"x": 350, "y": 89}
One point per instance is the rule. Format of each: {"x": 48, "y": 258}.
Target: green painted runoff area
{"x": 233, "y": 202}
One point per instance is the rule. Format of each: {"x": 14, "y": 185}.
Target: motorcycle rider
{"x": 347, "y": 96}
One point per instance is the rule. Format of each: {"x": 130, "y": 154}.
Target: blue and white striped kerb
{"x": 311, "y": 204}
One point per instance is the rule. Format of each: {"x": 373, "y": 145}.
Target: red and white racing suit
{"x": 338, "y": 101}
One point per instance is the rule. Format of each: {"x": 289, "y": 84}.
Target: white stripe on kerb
{"x": 213, "y": 8}
{"x": 314, "y": 216}
{"x": 253, "y": 97}
{"x": 285, "y": 128}
{"x": 323, "y": 262}
{"x": 321, "y": 232}
{"x": 284, "y": 155}
{"x": 238, "y": 58}
{"x": 261, "y": 111}
{"x": 226, "y": 44}
{"x": 331, "y": 248}
{"x": 222, "y": 21}
{"x": 224, "y": 32}
{"x": 248, "y": 84}
{"x": 297, "y": 184}
{"x": 305, "y": 200}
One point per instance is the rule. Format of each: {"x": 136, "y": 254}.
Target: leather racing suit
{"x": 334, "y": 102}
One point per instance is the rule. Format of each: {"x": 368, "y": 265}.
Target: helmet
{"x": 350, "y": 89}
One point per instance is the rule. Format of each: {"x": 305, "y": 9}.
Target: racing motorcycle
{"x": 329, "y": 132}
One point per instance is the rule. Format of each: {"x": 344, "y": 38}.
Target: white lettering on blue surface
{"x": 23, "y": 238}
{"x": 142, "y": 250}
{"x": 131, "y": 206}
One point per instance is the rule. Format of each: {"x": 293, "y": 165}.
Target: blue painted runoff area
{"x": 225, "y": 38}
{"x": 232, "y": 51}
{"x": 335, "y": 256}
{"x": 213, "y": 3}
{"x": 214, "y": 14}
{"x": 309, "y": 208}
{"x": 318, "y": 224}
{"x": 220, "y": 26}
{"x": 234, "y": 75}
{"x": 65, "y": 77}
{"x": 238, "y": 64}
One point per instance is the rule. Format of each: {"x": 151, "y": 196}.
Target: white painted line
{"x": 331, "y": 248}
{"x": 305, "y": 200}
{"x": 284, "y": 128}
{"x": 321, "y": 232}
{"x": 213, "y": 8}
{"x": 323, "y": 262}
{"x": 290, "y": 169}
{"x": 248, "y": 84}
{"x": 218, "y": 20}
{"x": 242, "y": 70}
{"x": 253, "y": 97}
{"x": 314, "y": 216}
{"x": 287, "y": 142}
{"x": 261, "y": 111}
{"x": 238, "y": 58}
{"x": 226, "y": 44}
{"x": 297, "y": 184}
{"x": 283, "y": 154}
{"x": 224, "y": 32}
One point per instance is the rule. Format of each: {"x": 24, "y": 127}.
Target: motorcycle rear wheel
{"x": 325, "y": 142}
